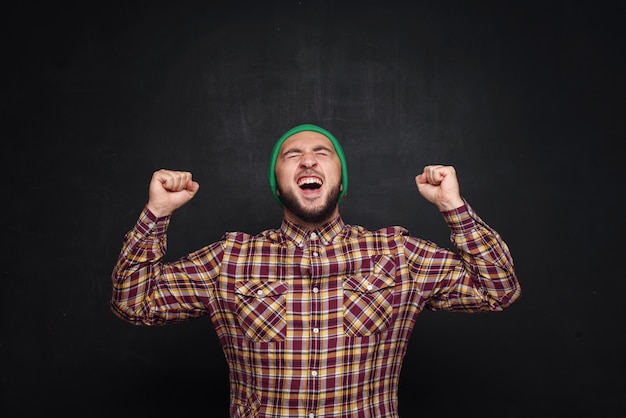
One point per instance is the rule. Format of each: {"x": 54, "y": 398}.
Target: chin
{"x": 317, "y": 210}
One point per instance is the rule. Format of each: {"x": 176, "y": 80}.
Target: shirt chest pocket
{"x": 262, "y": 309}
{"x": 368, "y": 298}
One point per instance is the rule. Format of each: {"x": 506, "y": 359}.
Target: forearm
{"x": 135, "y": 273}
{"x": 488, "y": 264}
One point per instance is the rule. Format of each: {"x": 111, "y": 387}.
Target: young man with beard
{"x": 314, "y": 317}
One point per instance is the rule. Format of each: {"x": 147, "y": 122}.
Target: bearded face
{"x": 308, "y": 179}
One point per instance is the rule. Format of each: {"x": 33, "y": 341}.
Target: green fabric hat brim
{"x": 313, "y": 128}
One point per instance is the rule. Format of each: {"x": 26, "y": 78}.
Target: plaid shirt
{"x": 313, "y": 323}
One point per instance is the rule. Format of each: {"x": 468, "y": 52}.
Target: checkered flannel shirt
{"x": 313, "y": 323}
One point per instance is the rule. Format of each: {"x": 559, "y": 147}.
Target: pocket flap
{"x": 368, "y": 284}
{"x": 258, "y": 288}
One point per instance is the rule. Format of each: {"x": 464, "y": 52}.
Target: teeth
{"x": 309, "y": 180}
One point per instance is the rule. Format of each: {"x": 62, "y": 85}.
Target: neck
{"x": 309, "y": 224}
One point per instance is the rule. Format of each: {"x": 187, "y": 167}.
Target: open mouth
{"x": 309, "y": 183}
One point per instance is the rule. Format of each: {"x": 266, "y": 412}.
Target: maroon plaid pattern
{"x": 313, "y": 323}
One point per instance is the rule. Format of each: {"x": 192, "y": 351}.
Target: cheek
{"x": 282, "y": 177}
{"x": 335, "y": 169}
{"x": 279, "y": 172}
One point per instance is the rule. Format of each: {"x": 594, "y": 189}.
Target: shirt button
{"x": 314, "y": 373}
{"x": 369, "y": 287}
{"x": 313, "y": 235}
{"x": 259, "y": 292}
{"x": 315, "y": 253}
{"x": 316, "y": 330}
{"x": 315, "y": 290}
{"x": 311, "y": 415}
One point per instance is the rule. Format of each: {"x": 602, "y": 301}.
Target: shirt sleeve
{"x": 147, "y": 291}
{"x": 478, "y": 276}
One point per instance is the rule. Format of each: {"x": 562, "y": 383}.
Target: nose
{"x": 308, "y": 160}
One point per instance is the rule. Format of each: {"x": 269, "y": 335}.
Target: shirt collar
{"x": 299, "y": 235}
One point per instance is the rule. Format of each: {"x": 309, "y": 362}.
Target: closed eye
{"x": 323, "y": 150}
{"x": 292, "y": 154}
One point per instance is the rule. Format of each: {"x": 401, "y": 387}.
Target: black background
{"x": 525, "y": 99}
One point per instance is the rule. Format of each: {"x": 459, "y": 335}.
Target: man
{"x": 314, "y": 317}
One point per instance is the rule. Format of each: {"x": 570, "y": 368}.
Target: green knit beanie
{"x": 313, "y": 128}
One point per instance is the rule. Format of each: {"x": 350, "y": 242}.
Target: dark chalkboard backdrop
{"x": 525, "y": 99}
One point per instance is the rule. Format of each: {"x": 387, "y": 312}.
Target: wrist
{"x": 158, "y": 212}
{"x": 450, "y": 205}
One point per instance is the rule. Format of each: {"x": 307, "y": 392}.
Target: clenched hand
{"x": 170, "y": 190}
{"x": 439, "y": 185}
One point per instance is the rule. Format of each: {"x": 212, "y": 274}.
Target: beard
{"x": 311, "y": 215}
